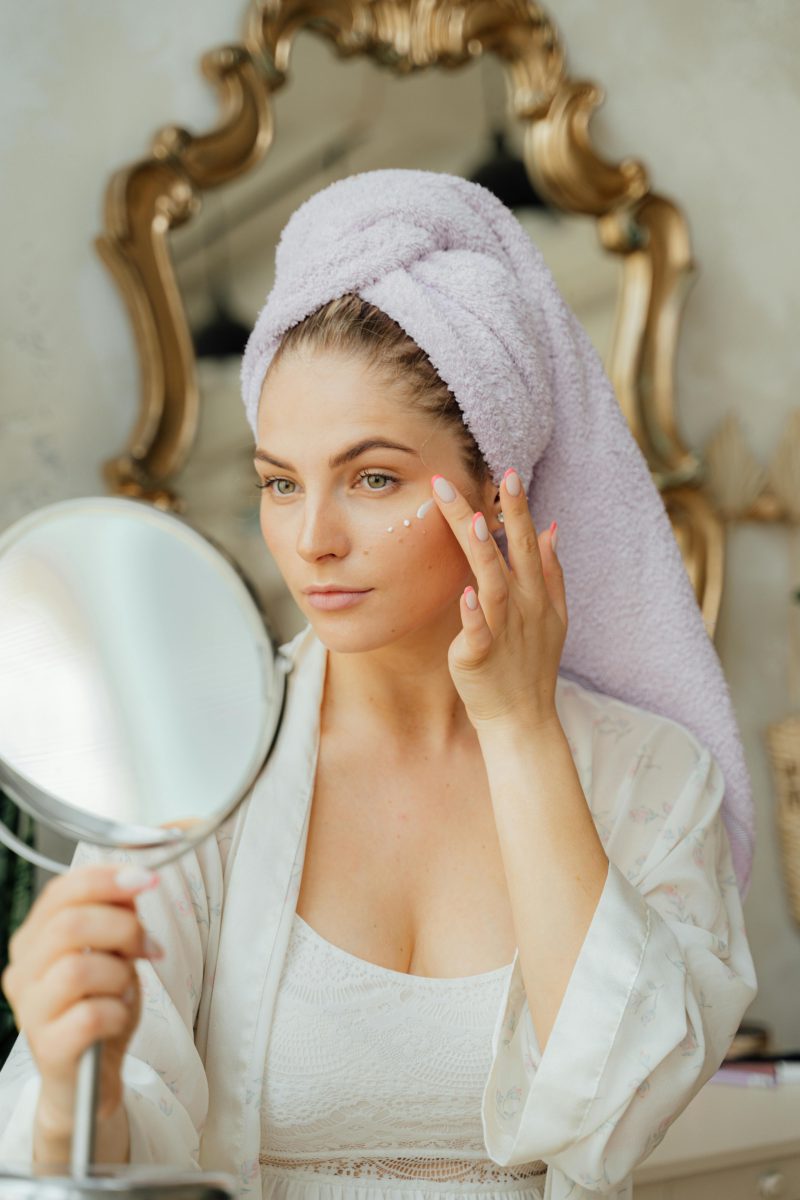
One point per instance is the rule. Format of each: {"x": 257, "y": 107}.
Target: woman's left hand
{"x": 504, "y": 661}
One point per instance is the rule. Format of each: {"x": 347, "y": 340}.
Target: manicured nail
{"x": 480, "y": 527}
{"x": 152, "y": 948}
{"x": 470, "y": 597}
{"x": 513, "y": 484}
{"x": 443, "y": 489}
{"x": 554, "y": 536}
{"x": 132, "y": 878}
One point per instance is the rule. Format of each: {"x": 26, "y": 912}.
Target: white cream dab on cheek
{"x": 423, "y": 508}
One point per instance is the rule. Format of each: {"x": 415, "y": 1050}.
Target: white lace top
{"x": 375, "y": 1075}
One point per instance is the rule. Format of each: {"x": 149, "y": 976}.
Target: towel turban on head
{"x": 450, "y": 263}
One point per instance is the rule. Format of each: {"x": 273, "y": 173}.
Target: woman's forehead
{"x": 328, "y": 404}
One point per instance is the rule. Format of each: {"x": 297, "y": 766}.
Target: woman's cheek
{"x": 271, "y": 532}
{"x": 435, "y": 555}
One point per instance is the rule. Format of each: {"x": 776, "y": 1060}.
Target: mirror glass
{"x": 334, "y": 118}
{"x": 139, "y": 689}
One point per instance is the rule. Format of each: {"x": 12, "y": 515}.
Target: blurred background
{"x": 706, "y": 97}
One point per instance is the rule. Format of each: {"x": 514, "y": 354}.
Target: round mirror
{"x": 140, "y": 688}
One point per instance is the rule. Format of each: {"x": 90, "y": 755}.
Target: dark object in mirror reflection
{"x": 224, "y": 335}
{"x": 507, "y": 177}
{"x": 16, "y": 897}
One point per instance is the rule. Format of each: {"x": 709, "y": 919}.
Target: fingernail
{"x": 443, "y": 489}
{"x": 152, "y": 948}
{"x": 470, "y": 597}
{"x": 129, "y": 995}
{"x": 480, "y": 527}
{"x": 554, "y": 536}
{"x": 133, "y": 877}
{"x": 513, "y": 484}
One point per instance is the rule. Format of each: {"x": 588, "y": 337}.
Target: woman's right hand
{"x": 64, "y": 998}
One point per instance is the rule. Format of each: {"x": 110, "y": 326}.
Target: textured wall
{"x": 704, "y": 94}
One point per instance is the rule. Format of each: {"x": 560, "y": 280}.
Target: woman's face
{"x": 326, "y": 520}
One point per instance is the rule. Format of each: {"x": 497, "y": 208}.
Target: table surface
{"x": 724, "y": 1126}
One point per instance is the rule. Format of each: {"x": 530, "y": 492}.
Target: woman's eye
{"x": 275, "y": 479}
{"x": 369, "y": 475}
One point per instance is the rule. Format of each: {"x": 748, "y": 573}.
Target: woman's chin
{"x": 348, "y": 641}
{"x": 350, "y": 632}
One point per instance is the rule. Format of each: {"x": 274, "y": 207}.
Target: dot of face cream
{"x": 329, "y": 524}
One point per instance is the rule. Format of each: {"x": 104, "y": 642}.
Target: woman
{"x": 477, "y": 927}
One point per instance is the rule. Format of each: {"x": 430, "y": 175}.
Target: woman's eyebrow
{"x": 344, "y": 456}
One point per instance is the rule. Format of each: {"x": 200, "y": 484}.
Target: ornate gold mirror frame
{"x": 149, "y": 198}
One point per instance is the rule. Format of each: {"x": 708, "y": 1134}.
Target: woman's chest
{"x": 403, "y": 867}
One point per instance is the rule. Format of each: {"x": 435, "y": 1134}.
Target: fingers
{"x": 63, "y": 1040}
{"x": 477, "y": 634}
{"x": 74, "y": 977}
{"x": 458, "y": 513}
{"x": 48, "y": 967}
{"x": 524, "y": 554}
{"x": 491, "y": 573}
{"x": 534, "y": 567}
{"x": 92, "y": 883}
{"x": 99, "y": 926}
{"x": 109, "y": 884}
{"x": 487, "y": 563}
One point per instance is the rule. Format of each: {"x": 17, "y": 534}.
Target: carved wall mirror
{"x": 317, "y": 91}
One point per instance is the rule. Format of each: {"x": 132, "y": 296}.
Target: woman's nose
{"x": 322, "y": 532}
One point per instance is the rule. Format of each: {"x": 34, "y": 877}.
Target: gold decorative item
{"x": 783, "y": 740}
{"x": 741, "y": 488}
{"x": 735, "y": 478}
{"x": 147, "y": 199}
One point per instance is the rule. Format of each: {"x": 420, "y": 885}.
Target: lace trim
{"x": 461, "y": 1170}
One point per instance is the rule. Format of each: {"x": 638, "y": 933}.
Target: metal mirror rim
{"x": 59, "y": 816}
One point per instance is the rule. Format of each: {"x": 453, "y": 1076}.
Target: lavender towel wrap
{"x": 452, "y": 265}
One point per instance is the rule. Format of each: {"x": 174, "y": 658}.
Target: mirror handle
{"x": 87, "y": 1081}
{"x": 34, "y": 856}
{"x": 87, "y": 1087}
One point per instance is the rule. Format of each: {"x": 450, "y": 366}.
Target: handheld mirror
{"x": 141, "y": 692}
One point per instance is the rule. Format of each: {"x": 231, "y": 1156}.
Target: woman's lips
{"x": 330, "y": 600}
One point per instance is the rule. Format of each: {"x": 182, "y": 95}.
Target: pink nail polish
{"x": 480, "y": 527}
{"x": 513, "y": 484}
{"x": 443, "y": 488}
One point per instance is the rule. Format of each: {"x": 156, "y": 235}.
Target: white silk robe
{"x": 661, "y": 983}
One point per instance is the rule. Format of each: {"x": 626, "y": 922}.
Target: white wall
{"x": 706, "y": 95}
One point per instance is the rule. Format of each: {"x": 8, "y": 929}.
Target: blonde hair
{"x": 350, "y": 325}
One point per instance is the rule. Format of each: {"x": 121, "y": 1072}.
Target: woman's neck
{"x": 398, "y": 694}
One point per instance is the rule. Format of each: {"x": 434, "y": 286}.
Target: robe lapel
{"x": 258, "y": 909}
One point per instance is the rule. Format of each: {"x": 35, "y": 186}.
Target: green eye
{"x": 368, "y": 475}
{"x": 275, "y": 479}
